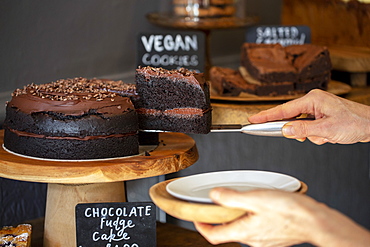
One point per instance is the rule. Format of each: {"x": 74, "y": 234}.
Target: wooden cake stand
{"x": 73, "y": 182}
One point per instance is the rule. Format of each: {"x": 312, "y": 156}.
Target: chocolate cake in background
{"x": 71, "y": 119}
{"x": 173, "y": 100}
{"x": 313, "y": 66}
{"x": 267, "y": 63}
{"x": 228, "y": 81}
{"x": 271, "y": 69}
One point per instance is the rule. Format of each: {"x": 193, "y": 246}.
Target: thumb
{"x": 232, "y": 199}
{"x": 303, "y": 129}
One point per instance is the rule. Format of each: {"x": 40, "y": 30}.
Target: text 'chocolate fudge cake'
{"x": 271, "y": 70}
{"x": 71, "y": 119}
{"x": 173, "y": 100}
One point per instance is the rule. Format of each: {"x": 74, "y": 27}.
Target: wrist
{"x": 333, "y": 229}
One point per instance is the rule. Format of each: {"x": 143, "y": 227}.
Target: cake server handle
{"x": 263, "y": 129}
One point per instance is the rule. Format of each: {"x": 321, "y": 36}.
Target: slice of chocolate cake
{"x": 267, "y": 63}
{"x": 309, "y": 60}
{"x": 71, "y": 119}
{"x": 230, "y": 82}
{"x": 227, "y": 81}
{"x": 291, "y": 69}
{"x": 313, "y": 66}
{"x": 173, "y": 100}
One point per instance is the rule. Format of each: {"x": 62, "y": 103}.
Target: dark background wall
{"x": 44, "y": 40}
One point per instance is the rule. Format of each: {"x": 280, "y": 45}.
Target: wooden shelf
{"x": 355, "y": 60}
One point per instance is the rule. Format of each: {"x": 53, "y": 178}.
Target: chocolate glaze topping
{"x": 74, "y": 97}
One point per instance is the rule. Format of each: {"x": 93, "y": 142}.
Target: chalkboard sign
{"x": 285, "y": 35}
{"x": 128, "y": 224}
{"x": 172, "y": 50}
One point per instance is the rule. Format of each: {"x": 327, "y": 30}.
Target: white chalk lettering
{"x": 283, "y": 35}
{"x": 147, "y": 210}
{"x": 125, "y": 245}
{"x": 114, "y": 224}
{"x": 160, "y": 43}
{"x": 169, "y": 60}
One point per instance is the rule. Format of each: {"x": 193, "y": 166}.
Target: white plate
{"x": 196, "y": 187}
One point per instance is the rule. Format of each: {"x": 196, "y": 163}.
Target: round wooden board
{"x": 169, "y": 20}
{"x": 335, "y": 87}
{"x": 192, "y": 211}
{"x": 175, "y": 151}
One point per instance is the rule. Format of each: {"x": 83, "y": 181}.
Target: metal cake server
{"x": 263, "y": 129}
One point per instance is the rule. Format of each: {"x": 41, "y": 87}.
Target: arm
{"x": 279, "y": 218}
{"x": 338, "y": 120}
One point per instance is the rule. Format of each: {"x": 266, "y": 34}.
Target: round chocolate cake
{"x": 72, "y": 119}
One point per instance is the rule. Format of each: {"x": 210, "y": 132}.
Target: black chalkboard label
{"x": 172, "y": 50}
{"x": 285, "y": 35}
{"x": 127, "y": 224}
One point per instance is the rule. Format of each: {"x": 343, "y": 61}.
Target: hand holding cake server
{"x": 279, "y": 218}
{"x": 337, "y": 120}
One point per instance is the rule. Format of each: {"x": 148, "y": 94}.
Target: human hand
{"x": 338, "y": 120}
{"x": 279, "y": 218}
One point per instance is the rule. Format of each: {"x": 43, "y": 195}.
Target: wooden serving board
{"x": 350, "y": 59}
{"x": 176, "y": 151}
{"x": 200, "y": 212}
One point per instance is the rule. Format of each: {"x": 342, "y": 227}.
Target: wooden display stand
{"x": 70, "y": 183}
{"x": 355, "y": 60}
{"x": 341, "y": 26}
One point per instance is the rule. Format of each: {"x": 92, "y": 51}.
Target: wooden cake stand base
{"x": 73, "y": 182}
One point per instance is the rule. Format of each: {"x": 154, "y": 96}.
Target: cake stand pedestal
{"x": 73, "y": 182}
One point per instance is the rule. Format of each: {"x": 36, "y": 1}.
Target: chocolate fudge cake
{"x": 312, "y": 64}
{"x": 19, "y": 236}
{"x": 228, "y": 81}
{"x": 267, "y": 63}
{"x": 271, "y": 69}
{"x": 72, "y": 119}
{"x": 172, "y": 100}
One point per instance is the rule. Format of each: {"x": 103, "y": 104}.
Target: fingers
{"x": 316, "y": 131}
{"x": 229, "y": 198}
{"x": 216, "y": 234}
{"x": 252, "y": 201}
{"x": 306, "y": 104}
{"x": 241, "y": 230}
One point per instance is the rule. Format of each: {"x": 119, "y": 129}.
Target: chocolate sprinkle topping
{"x": 75, "y": 89}
{"x": 159, "y": 71}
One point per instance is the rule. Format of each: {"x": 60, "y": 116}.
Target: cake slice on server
{"x": 172, "y": 100}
